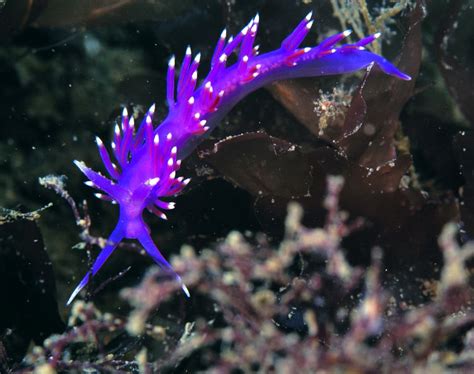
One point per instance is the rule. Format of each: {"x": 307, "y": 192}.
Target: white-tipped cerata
{"x": 152, "y": 181}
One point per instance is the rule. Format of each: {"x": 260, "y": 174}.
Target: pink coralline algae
{"x": 148, "y": 159}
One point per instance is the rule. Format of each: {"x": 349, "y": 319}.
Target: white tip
{"x": 202, "y": 123}
{"x": 257, "y": 18}
{"x": 117, "y": 130}
{"x": 169, "y": 136}
{"x": 99, "y": 142}
{"x": 77, "y": 290}
{"x": 89, "y": 183}
{"x": 172, "y": 175}
{"x": 221, "y": 93}
{"x": 206, "y": 128}
{"x": 148, "y": 120}
{"x": 171, "y": 205}
{"x": 230, "y": 39}
{"x": 188, "y": 50}
{"x": 132, "y": 122}
{"x": 113, "y": 145}
{"x": 186, "y": 181}
{"x": 98, "y": 195}
{"x": 170, "y": 162}
{"x": 253, "y": 30}
{"x": 224, "y": 34}
{"x": 258, "y": 66}
{"x": 156, "y": 139}
{"x": 79, "y": 164}
{"x": 208, "y": 86}
{"x": 163, "y": 216}
{"x": 245, "y": 58}
{"x": 197, "y": 59}
{"x": 152, "y": 181}
{"x": 172, "y": 62}
{"x": 124, "y": 112}
{"x": 191, "y": 100}
{"x": 174, "y": 150}
{"x": 194, "y": 76}
{"x": 223, "y": 58}
{"x": 152, "y": 109}
{"x": 333, "y": 50}
{"x": 377, "y": 35}
{"x": 197, "y": 115}
{"x": 309, "y": 24}
{"x": 309, "y": 16}
{"x": 185, "y": 290}
{"x": 178, "y": 162}
{"x": 307, "y": 49}
{"x": 245, "y": 30}
{"x": 347, "y": 33}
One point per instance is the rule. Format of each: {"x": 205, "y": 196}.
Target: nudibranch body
{"x": 148, "y": 158}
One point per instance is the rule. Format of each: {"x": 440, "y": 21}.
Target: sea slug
{"x": 148, "y": 158}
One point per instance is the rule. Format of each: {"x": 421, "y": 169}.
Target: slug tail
{"x": 114, "y": 239}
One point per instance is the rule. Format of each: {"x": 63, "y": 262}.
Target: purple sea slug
{"x": 147, "y": 159}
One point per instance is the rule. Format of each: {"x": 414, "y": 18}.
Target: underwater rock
{"x": 27, "y": 287}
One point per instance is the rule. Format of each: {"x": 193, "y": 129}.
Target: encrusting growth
{"x": 148, "y": 158}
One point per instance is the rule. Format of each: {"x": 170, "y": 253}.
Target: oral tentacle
{"x": 147, "y": 242}
{"x": 114, "y": 239}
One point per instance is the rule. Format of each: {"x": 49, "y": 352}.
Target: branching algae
{"x": 147, "y": 160}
